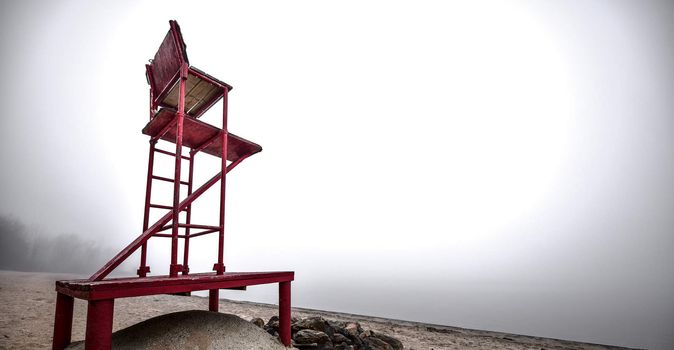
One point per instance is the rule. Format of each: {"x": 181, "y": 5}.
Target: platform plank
{"x": 199, "y": 93}
{"x": 196, "y": 132}
{"x": 136, "y": 286}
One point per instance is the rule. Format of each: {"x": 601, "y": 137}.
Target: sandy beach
{"x": 27, "y": 311}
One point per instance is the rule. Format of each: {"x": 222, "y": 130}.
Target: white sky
{"x": 485, "y": 164}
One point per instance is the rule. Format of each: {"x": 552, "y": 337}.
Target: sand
{"x": 27, "y": 316}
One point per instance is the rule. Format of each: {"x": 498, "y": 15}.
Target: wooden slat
{"x": 134, "y": 286}
{"x": 198, "y": 92}
{"x": 196, "y": 132}
{"x": 168, "y": 59}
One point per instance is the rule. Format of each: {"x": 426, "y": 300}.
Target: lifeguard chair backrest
{"x": 166, "y": 64}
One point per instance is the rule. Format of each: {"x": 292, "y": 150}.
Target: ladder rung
{"x": 167, "y": 235}
{"x": 168, "y": 180}
{"x": 204, "y": 232}
{"x": 170, "y": 153}
{"x": 204, "y": 227}
{"x": 201, "y": 227}
{"x": 161, "y": 206}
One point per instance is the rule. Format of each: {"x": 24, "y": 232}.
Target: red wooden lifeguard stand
{"x": 179, "y": 95}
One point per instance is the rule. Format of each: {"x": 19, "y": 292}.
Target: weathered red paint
{"x": 63, "y": 321}
{"x": 170, "y": 154}
{"x": 134, "y": 287}
{"x": 167, "y": 61}
{"x": 143, "y": 269}
{"x": 169, "y": 71}
{"x": 188, "y": 219}
{"x": 98, "y": 333}
{"x": 150, "y": 81}
{"x": 213, "y": 300}
{"x": 174, "y": 268}
{"x": 168, "y": 126}
{"x": 284, "y": 312}
{"x": 161, "y": 206}
{"x": 219, "y": 267}
{"x": 133, "y": 246}
{"x": 201, "y": 136}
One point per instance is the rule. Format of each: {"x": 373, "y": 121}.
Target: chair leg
{"x": 284, "y": 312}
{"x": 213, "y": 299}
{"x": 63, "y": 321}
{"x": 99, "y": 325}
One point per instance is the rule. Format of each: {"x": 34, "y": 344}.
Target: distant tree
{"x": 14, "y": 244}
{"x": 24, "y": 250}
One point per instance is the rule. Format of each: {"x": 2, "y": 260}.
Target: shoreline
{"x": 27, "y": 312}
{"x": 434, "y": 327}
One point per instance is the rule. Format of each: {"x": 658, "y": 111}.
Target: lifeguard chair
{"x": 179, "y": 95}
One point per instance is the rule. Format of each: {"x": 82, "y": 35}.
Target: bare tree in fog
{"x": 14, "y": 246}
{"x": 24, "y": 250}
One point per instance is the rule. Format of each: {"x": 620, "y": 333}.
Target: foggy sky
{"x": 493, "y": 165}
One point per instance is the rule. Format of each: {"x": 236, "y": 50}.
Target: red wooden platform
{"x": 199, "y": 134}
{"x": 135, "y": 287}
{"x": 179, "y": 95}
{"x": 101, "y": 295}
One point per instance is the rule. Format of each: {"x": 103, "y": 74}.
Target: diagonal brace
{"x": 133, "y": 246}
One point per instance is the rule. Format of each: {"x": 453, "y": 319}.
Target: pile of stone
{"x": 317, "y": 333}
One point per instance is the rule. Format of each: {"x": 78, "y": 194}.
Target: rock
{"x": 258, "y": 322}
{"x": 336, "y": 324}
{"x": 317, "y": 333}
{"x": 350, "y": 331}
{"x": 344, "y": 346}
{"x": 393, "y": 342}
{"x": 338, "y": 327}
{"x": 309, "y": 338}
{"x": 272, "y": 326}
{"x": 374, "y": 343}
{"x": 353, "y": 329}
{"x": 315, "y": 323}
{"x": 273, "y": 323}
{"x": 189, "y": 329}
{"x": 339, "y": 338}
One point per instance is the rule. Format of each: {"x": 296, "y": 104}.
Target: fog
{"x": 24, "y": 249}
{"x": 493, "y": 165}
